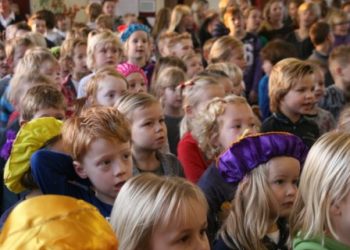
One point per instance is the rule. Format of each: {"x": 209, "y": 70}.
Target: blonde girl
{"x": 234, "y": 73}
{"x": 196, "y": 93}
{"x": 194, "y": 64}
{"x": 181, "y": 19}
{"x": 105, "y": 87}
{"x": 339, "y": 22}
{"x": 168, "y": 94}
{"x": 135, "y": 76}
{"x": 228, "y": 49}
{"x": 155, "y": 213}
{"x": 149, "y": 135}
{"x": 265, "y": 185}
{"x": 320, "y": 217}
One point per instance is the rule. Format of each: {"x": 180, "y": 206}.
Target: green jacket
{"x": 316, "y": 244}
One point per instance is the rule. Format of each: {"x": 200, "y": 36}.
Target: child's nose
{"x": 292, "y": 189}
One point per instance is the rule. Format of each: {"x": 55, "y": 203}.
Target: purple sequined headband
{"x": 251, "y": 151}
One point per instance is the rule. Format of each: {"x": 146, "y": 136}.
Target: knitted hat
{"x": 131, "y": 29}
{"x": 251, "y": 151}
{"x": 31, "y": 137}
{"x": 127, "y": 68}
{"x": 56, "y": 222}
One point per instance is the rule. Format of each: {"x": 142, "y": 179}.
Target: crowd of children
{"x": 208, "y": 130}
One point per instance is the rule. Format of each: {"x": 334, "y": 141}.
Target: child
{"x": 148, "y": 135}
{"x": 323, "y": 118}
{"x": 322, "y": 39}
{"x": 93, "y": 10}
{"x": 103, "y": 49}
{"x": 76, "y": 52}
{"x": 271, "y": 54}
{"x": 228, "y": 49}
{"x": 233, "y": 72}
{"x": 226, "y": 120}
{"x": 137, "y": 47}
{"x": 320, "y": 217}
{"x": 38, "y": 24}
{"x": 339, "y": 22}
{"x": 99, "y": 144}
{"x": 180, "y": 45}
{"x": 64, "y": 224}
{"x": 167, "y": 93}
{"x": 154, "y": 212}
{"x": 163, "y": 43}
{"x": 266, "y": 185}
{"x": 337, "y": 95}
{"x": 194, "y": 64}
{"x": 109, "y": 8}
{"x": 196, "y": 93}
{"x": 105, "y": 87}
{"x": 233, "y": 19}
{"x": 291, "y": 91}
{"x": 220, "y": 76}
{"x": 137, "y": 80}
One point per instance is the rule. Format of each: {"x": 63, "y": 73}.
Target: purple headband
{"x": 251, "y": 151}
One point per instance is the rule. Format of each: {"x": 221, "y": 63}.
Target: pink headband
{"x": 127, "y": 68}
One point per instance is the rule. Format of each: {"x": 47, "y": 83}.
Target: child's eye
{"x": 126, "y": 156}
{"x": 203, "y": 232}
{"x": 184, "y": 238}
{"x": 147, "y": 124}
{"x": 237, "y": 126}
{"x": 279, "y": 182}
{"x": 161, "y": 120}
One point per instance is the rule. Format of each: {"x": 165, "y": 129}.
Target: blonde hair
{"x": 284, "y": 76}
{"x": 15, "y": 43}
{"x": 340, "y": 56}
{"x": 311, "y": 6}
{"x": 325, "y": 180}
{"x": 191, "y": 92}
{"x": 37, "y": 39}
{"x": 250, "y": 214}
{"x": 41, "y": 97}
{"x": 97, "y": 80}
{"x": 177, "y": 38}
{"x": 94, "y": 123}
{"x": 33, "y": 60}
{"x": 337, "y": 16}
{"x": 104, "y": 22}
{"x": 267, "y": 9}
{"x": 207, "y": 125}
{"x": 103, "y": 37}
{"x": 177, "y": 14}
{"x": 343, "y": 123}
{"x": 129, "y": 102}
{"x": 20, "y": 84}
{"x": 147, "y": 202}
{"x": 231, "y": 70}
{"x": 223, "y": 48}
{"x": 169, "y": 77}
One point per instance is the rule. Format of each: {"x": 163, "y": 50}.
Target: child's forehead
{"x": 106, "y": 44}
{"x": 138, "y": 34}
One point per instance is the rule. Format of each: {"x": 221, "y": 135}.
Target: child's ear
{"x": 80, "y": 170}
{"x": 335, "y": 209}
{"x": 188, "y": 110}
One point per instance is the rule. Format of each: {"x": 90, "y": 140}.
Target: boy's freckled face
{"x": 108, "y": 165}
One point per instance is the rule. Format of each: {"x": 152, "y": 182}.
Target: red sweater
{"x": 191, "y": 158}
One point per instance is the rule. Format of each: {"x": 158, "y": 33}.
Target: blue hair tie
{"x": 131, "y": 29}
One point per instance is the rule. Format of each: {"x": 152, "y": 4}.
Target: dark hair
{"x": 319, "y": 32}
{"x": 49, "y": 18}
{"x": 277, "y": 50}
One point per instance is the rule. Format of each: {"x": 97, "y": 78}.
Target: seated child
{"x": 103, "y": 49}
{"x": 105, "y": 87}
{"x": 291, "y": 91}
{"x": 148, "y": 135}
{"x": 338, "y": 94}
{"x": 98, "y": 142}
{"x": 137, "y": 80}
{"x": 153, "y": 212}
{"x": 263, "y": 171}
{"x": 169, "y": 96}
{"x": 180, "y": 45}
{"x": 59, "y": 222}
{"x": 320, "y": 217}
{"x": 194, "y": 64}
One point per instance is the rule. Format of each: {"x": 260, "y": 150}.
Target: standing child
{"x": 196, "y": 94}
{"x": 338, "y": 94}
{"x": 137, "y": 47}
{"x": 103, "y": 49}
{"x": 99, "y": 144}
{"x": 153, "y": 212}
{"x": 168, "y": 94}
{"x": 291, "y": 91}
{"x": 320, "y": 217}
{"x": 148, "y": 135}
{"x": 105, "y": 87}
{"x": 266, "y": 180}
{"x": 137, "y": 80}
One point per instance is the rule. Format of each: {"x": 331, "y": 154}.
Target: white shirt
{"x": 6, "y": 21}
